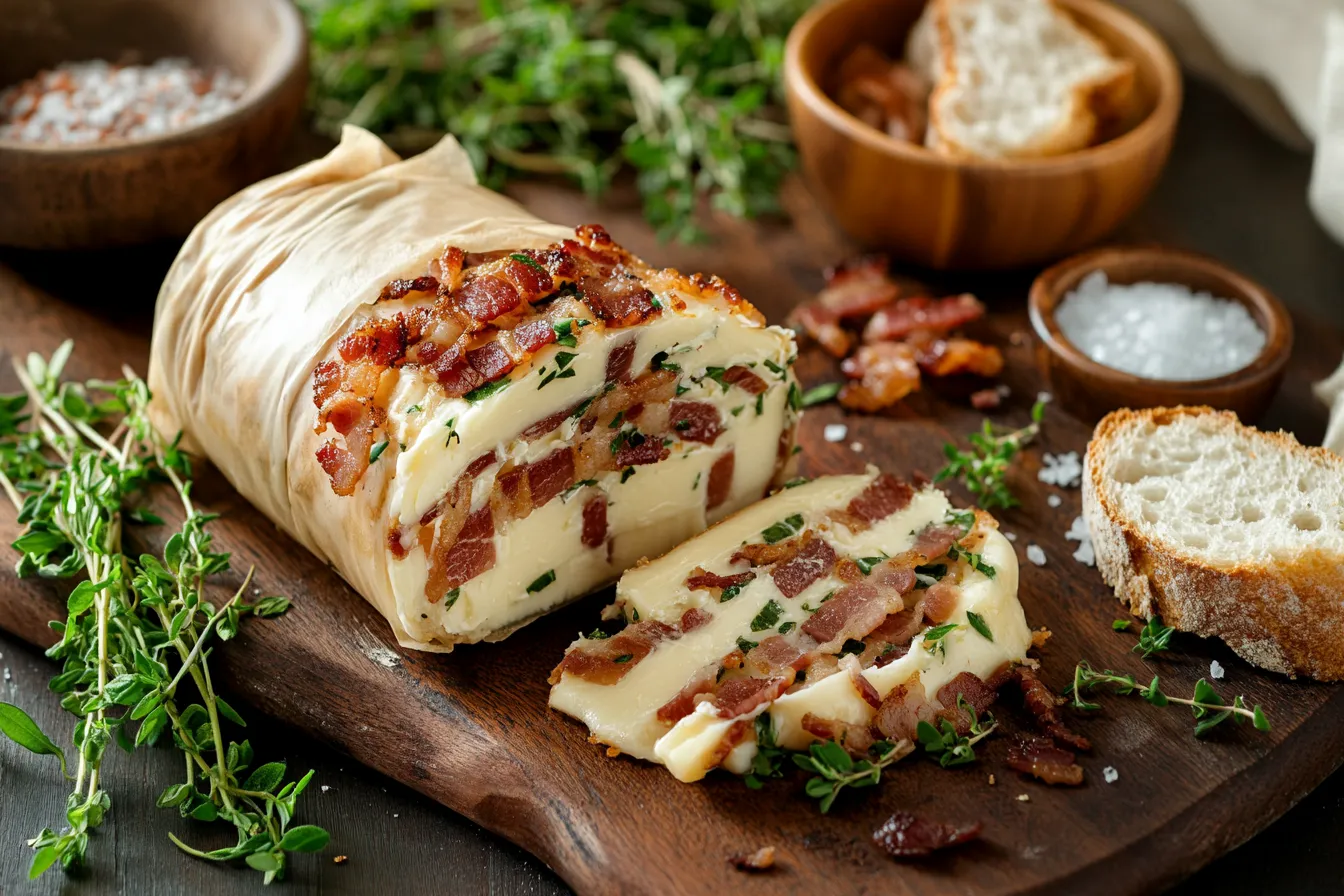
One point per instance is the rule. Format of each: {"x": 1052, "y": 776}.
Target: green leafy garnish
{"x": 627, "y": 473}
{"x": 819, "y": 394}
{"x": 984, "y": 469}
{"x": 745, "y": 646}
{"x": 717, "y": 375}
{"x": 978, "y": 623}
{"x": 835, "y": 769}
{"x": 1121, "y": 625}
{"x": 451, "y": 598}
{"x": 769, "y": 759}
{"x": 976, "y": 561}
{"x": 866, "y": 564}
{"x": 1207, "y": 705}
{"x": 377, "y": 451}
{"x": 934, "y": 638}
{"x": 950, "y": 748}
{"x": 768, "y": 617}
{"x": 483, "y": 392}
{"x": 1154, "y": 637}
{"x": 529, "y": 261}
{"x": 785, "y": 528}
{"x": 541, "y": 581}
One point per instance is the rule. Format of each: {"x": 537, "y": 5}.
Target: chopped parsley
{"x": 452, "y": 432}
{"x": 852, "y": 646}
{"x": 616, "y": 421}
{"x": 564, "y": 331}
{"x": 413, "y": 409}
{"x": 656, "y": 303}
{"x": 1121, "y": 625}
{"x": 768, "y": 617}
{"x": 451, "y": 598}
{"x": 737, "y": 410}
{"x": 541, "y": 582}
{"x": 597, "y": 635}
{"x": 562, "y": 372}
{"x": 787, "y": 627}
{"x": 820, "y": 394}
{"x": 682, "y": 425}
{"x": 624, "y": 658}
{"x": 716, "y": 374}
{"x": 583, "y": 408}
{"x": 660, "y": 362}
{"x": 731, "y": 592}
{"x": 978, "y": 623}
{"x": 928, "y": 574}
{"x": 696, "y": 484}
{"x": 483, "y": 392}
{"x": 933, "y": 638}
{"x": 626, "y": 474}
{"x": 975, "y": 560}
{"x": 785, "y": 528}
{"x": 745, "y": 646}
{"x": 631, "y": 438}
{"x": 795, "y": 397}
{"x": 963, "y": 518}
{"x": 682, "y": 389}
{"x": 829, "y": 595}
{"x": 797, "y": 481}
{"x": 377, "y": 451}
{"x": 774, "y": 368}
{"x": 760, "y": 404}
{"x": 866, "y": 564}
{"x": 530, "y": 262}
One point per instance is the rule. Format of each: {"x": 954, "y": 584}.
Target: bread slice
{"x": 1224, "y": 531}
{"x": 1013, "y": 78}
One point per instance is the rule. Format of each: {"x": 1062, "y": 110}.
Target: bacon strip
{"x": 948, "y": 357}
{"x": 853, "y": 612}
{"x": 774, "y": 657}
{"x": 683, "y": 704}
{"x": 1039, "y": 757}
{"x": 695, "y": 421}
{"x": 904, "y": 707}
{"x": 720, "y": 485}
{"x": 813, "y": 561}
{"x": 594, "y": 521}
{"x": 739, "y": 696}
{"x": 743, "y": 378}
{"x": 921, "y": 314}
{"x": 609, "y": 660}
{"x": 884, "y": 496}
{"x": 1043, "y": 705}
{"x": 855, "y": 289}
{"x": 905, "y": 836}
{"x": 880, "y": 375}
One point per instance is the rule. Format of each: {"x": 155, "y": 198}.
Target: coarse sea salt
{"x": 835, "y": 432}
{"x": 1054, "y": 500}
{"x": 1161, "y": 331}
{"x": 1035, "y": 554}
{"x": 1080, "y": 533}
{"x": 1216, "y": 670}
{"x": 1064, "y": 470}
{"x": 1110, "y": 774}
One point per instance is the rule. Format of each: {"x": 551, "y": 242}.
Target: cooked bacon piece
{"x": 608, "y": 660}
{"x": 736, "y": 734}
{"x": 487, "y": 297}
{"x": 382, "y": 342}
{"x": 693, "y": 618}
{"x": 935, "y": 541}
{"x": 986, "y": 399}
{"x": 490, "y": 360}
{"x": 881, "y": 374}
{"x": 448, "y": 269}
{"x": 700, "y": 580}
{"x": 546, "y": 425}
{"x": 1039, "y": 757}
{"x": 885, "y": 95}
{"x": 892, "y": 576}
{"x": 682, "y": 705}
{"x": 550, "y": 475}
{"x": 854, "y": 612}
{"x": 856, "y": 739}
{"x": 455, "y": 374}
{"x": 743, "y": 378}
{"x": 907, "y": 836}
{"x": 941, "y": 601}
{"x": 720, "y": 484}
{"x": 884, "y": 496}
{"x": 891, "y": 640}
{"x": 761, "y": 554}
{"x": 739, "y": 696}
{"x": 855, "y": 289}
{"x": 762, "y": 859}
{"x": 326, "y": 382}
{"x": 904, "y": 707}
{"x": 775, "y": 656}
{"x": 533, "y": 335}
{"x": 850, "y": 664}
{"x": 921, "y": 314}
{"x": 619, "y": 361}
{"x": 472, "y": 553}
{"x": 978, "y": 694}
{"x": 695, "y": 421}
{"x": 1043, "y": 705}
{"x": 945, "y": 357}
{"x": 594, "y": 521}
{"x": 343, "y": 467}
{"x": 620, "y": 298}
{"x": 813, "y": 561}
{"x": 400, "y": 289}
{"x": 649, "y": 450}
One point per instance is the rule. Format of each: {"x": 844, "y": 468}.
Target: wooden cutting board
{"x": 472, "y": 729}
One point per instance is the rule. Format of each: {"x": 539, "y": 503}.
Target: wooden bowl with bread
{"x": 121, "y": 191}
{"x": 979, "y": 192}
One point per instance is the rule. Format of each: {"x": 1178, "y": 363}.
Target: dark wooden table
{"x": 1230, "y": 191}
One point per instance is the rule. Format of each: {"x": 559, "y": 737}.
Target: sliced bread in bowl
{"x": 1224, "y": 531}
{"x": 1013, "y": 78}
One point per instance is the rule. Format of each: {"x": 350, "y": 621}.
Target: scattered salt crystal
{"x": 1012, "y": 536}
{"x": 1110, "y": 774}
{"x": 1054, "y": 500}
{"x": 1148, "y": 329}
{"x": 1063, "y": 470}
{"x": 326, "y": 787}
{"x": 6, "y": 673}
{"x": 1035, "y": 554}
{"x": 1024, "y": 797}
{"x": 856, "y": 446}
{"x": 1044, "y": 397}
{"x": 396, "y": 814}
{"x": 1216, "y": 669}
{"x": 835, "y": 432}
{"x": 1079, "y": 532}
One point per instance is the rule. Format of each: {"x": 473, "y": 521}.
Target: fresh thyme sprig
{"x": 947, "y": 745}
{"x": 1208, "y": 706}
{"x": 138, "y": 631}
{"x": 983, "y": 469}
{"x": 835, "y": 769}
{"x": 1154, "y": 637}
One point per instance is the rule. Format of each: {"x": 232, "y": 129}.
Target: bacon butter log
{"x": 473, "y": 415}
{"x": 849, "y": 608}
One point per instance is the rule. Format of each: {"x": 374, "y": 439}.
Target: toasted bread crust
{"x": 1286, "y": 618}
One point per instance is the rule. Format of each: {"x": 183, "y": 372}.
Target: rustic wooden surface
{"x": 1145, "y": 831}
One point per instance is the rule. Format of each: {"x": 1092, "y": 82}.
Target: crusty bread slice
{"x": 1223, "y": 530}
{"x": 1013, "y": 78}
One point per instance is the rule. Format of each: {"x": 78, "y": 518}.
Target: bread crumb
{"x": 1039, "y": 637}
{"x": 1023, "y": 798}
{"x": 1216, "y": 669}
{"x": 613, "y": 752}
{"x": 340, "y": 860}
{"x": 1054, "y": 500}
{"x": 1035, "y": 554}
{"x": 991, "y": 780}
{"x": 762, "y": 859}
{"x": 835, "y": 432}
{"x": 1110, "y": 774}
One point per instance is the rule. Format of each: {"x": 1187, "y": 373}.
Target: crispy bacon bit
{"x": 946, "y": 357}
{"x": 342, "y": 466}
{"x": 472, "y": 553}
{"x": 607, "y": 661}
{"x": 720, "y": 484}
{"x": 935, "y": 541}
{"x": 775, "y": 656}
{"x": 619, "y": 361}
{"x": 1039, "y": 757}
{"x": 850, "y": 664}
{"x": 695, "y": 421}
{"x": 856, "y": 289}
{"x": 739, "y": 696}
{"x": 940, "y": 601}
{"x": 545, "y": 425}
{"x": 594, "y": 521}
{"x": 448, "y": 269}
{"x": 886, "y": 95}
{"x": 904, "y": 707}
{"x": 814, "y": 560}
{"x": 683, "y": 704}
{"x": 978, "y": 694}
{"x": 394, "y": 545}
{"x": 700, "y": 580}
{"x": 897, "y": 631}
{"x": 881, "y": 374}
{"x": 381, "y": 342}
{"x": 400, "y": 289}
{"x": 487, "y": 297}
{"x": 884, "y": 496}
{"x": 762, "y": 859}
{"x": 854, "y": 612}
{"x": 743, "y": 378}
{"x": 856, "y": 739}
{"x": 490, "y": 360}
{"x": 326, "y": 382}
{"x": 906, "y": 836}
{"x": 986, "y": 399}
{"x": 649, "y": 451}
{"x": 534, "y": 334}
{"x": 551, "y": 475}
{"x": 1043, "y": 705}
{"x": 693, "y": 619}
{"x": 620, "y": 298}
{"x": 921, "y": 314}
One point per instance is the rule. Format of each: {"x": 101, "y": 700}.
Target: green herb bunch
{"x": 984, "y": 468}
{"x": 685, "y": 93}
{"x": 76, "y": 461}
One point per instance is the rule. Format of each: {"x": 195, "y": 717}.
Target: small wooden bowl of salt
{"x": 1154, "y": 327}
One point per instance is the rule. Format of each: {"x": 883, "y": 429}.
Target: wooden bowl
{"x": 1091, "y": 390}
{"x": 959, "y": 213}
{"x": 121, "y": 192}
